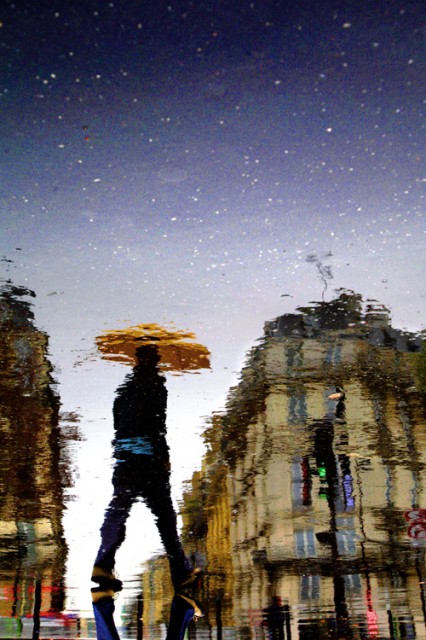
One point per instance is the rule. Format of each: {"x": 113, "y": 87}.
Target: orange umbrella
{"x": 176, "y": 348}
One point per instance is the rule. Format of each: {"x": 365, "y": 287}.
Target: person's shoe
{"x": 198, "y": 612}
{"x": 106, "y": 579}
{"x": 188, "y": 579}
{"x": 183, "y": 610}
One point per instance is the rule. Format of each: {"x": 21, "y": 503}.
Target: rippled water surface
{"x": 307, "y": 514}
{"x": 212, "y": 319}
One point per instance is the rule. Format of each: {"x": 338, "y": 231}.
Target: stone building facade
{"x": 310, "y": 513}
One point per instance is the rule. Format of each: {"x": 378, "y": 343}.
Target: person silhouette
{"x": 141, "y": 472}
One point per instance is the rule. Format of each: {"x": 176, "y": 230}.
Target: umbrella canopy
{"x": 177, "y": 350}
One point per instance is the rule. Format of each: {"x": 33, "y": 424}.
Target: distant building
{"x": 32, "y": 474}
{"x": 306, "y": 504}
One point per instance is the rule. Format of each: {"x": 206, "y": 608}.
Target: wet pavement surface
{"x": 307, "y": 515}
{"x": 180, "y": 181}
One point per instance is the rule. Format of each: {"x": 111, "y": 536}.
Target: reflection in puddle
{"x": 142, "y": 470}
{"x": 33, "y": 472}
{"x": 309, "y": 507}
{"x": 308, "y": 513}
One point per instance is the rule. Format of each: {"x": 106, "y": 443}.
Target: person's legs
{"x": 113, "y": 529}
{"x": 156, "y": 493}
{"x": 145, "y": 477}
